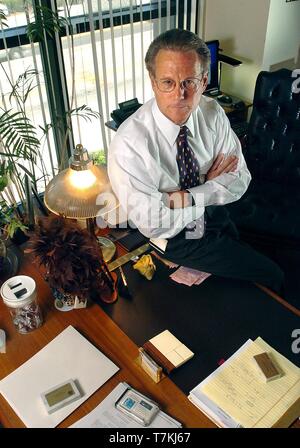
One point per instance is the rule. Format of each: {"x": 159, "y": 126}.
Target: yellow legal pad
{"x": 240, "y": 391}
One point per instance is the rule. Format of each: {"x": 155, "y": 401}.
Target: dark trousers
{"x": 220, "y": 252}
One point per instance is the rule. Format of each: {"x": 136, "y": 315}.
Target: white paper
{"x": 159, "y": 243}
{"x": 189, "y": 276}
{"x": 68, "y": 356}
{"x": 105, "y": 415}
{"x": 214, "y": 412}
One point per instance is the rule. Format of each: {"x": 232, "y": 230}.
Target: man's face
{"x": 177, "y": 66}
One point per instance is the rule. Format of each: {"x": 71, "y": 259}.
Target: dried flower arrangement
{"x": 72, "y": 259}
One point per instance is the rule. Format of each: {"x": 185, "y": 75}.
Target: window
{"x": 98, "y": 61}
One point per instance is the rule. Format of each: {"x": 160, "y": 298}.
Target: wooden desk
{"x": 234, "y": 114}
{"x": 98, "y": 328}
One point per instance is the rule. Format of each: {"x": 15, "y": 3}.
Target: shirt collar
{"x": 190, "y": 125}
{"x": 171, "y": 130}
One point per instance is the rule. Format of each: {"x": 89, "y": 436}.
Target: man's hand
{"x": 179, "y": 199}
{"x": 221, "y": 165}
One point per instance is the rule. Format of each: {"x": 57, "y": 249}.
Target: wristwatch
{"x": 202, "y": 179}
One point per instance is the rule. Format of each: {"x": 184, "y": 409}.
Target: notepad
{"x": 238, "y": 390}
{"x": 168, "y": 351}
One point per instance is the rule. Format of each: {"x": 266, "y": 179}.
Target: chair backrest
{"x": 273, "y": 150}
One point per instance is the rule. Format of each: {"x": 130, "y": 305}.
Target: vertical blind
{"x": 99, "y": 60}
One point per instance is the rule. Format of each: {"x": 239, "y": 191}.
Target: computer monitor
{"x": 213, "y": 78}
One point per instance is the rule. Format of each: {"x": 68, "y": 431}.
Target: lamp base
{"x": 106, "y": 294}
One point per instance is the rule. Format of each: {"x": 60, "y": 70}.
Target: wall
{"x": 282, "y": 47}
{"x": 264, "y": 34}
{"x": 240, "y": 26}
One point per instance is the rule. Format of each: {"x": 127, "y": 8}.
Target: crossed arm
{"x": 222, "y": 164}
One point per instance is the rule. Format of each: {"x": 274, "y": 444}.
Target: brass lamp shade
{"x": 64, "y": 198}
{"x": 76, "y": 191}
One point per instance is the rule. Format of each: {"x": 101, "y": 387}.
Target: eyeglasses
{"x": 189, "y": 84}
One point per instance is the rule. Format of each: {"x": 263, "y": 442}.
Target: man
{"x": 175, "y": 162}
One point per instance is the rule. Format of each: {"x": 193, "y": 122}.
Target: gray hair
{"x": 177, "y": 40}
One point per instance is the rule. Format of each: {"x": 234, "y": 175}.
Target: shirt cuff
{"x": 210, "y": 193}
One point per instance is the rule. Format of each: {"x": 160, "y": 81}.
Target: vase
{"x": 10, "y": 257}
{"x": 19, "y": 237}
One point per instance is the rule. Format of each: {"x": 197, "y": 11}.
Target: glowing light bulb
{"x": 82, "y": 179}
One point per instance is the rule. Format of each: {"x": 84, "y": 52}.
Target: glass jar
{"x": 19, "y": 295}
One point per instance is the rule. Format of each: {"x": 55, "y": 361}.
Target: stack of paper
{"x": 188, "y": 276}
{"x": 105, "y": 415}
{"x": 168, "y": 351}
{"x": 235, "y": 395}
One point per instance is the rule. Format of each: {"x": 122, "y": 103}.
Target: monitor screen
{"x": 213, "y": 78}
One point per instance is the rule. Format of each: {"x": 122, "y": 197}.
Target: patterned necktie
{"x": 189, "y": 177}
{"x": 189, "y": 173}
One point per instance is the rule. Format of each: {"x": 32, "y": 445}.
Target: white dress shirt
{"x": 142, "y": 166}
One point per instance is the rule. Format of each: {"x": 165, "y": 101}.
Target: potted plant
{"x": 10, "y": 223}
{"x": 72, "y": 262}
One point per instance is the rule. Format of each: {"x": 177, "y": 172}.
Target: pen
{"x": 123, "y": 276}
{"x": 125, "y": 291}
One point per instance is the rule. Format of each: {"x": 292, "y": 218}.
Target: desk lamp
{"x": 74, "y": 192}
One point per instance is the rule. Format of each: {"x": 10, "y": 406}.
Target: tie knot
{"x": 182, "y": 136}
{"x": 183, "y": 131}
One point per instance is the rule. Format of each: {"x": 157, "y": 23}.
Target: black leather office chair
{"x": 269, "y": 211}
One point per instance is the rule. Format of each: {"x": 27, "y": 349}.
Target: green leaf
{"x": 47, "y": 21}
{"x": 25, "y": 83}
{"x": 84, "y": 112}
{"x": 6, "y": 154}
{"x": 3, "y": 18}
{"x": 26, "y": 171}
{"x": 13, "y": 226}
{"x": 18, "y": 135}
{"x": 3, "y": 182}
